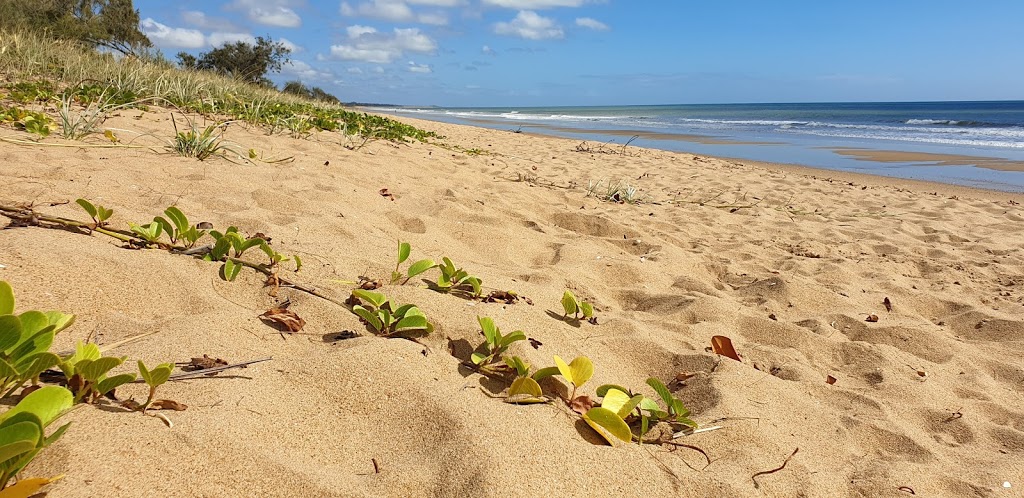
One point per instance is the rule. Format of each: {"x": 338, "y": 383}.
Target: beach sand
{"x": 788, "y": 263}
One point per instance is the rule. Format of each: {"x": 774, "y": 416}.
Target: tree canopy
{"x": 112, "y": 24}
{"x": 312, "y": 93}
{"x": 241, "y": 60}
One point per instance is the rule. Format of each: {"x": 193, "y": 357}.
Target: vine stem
{"x": 30, "y": 216}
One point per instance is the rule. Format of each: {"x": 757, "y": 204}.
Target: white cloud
{"x": 354, "y": 70}
{"x": 368, "y": 45}
{"x": 419, "y": 68}
{"x": 268, "y": 12}
{"x": 438, "y": 3}
{"x": 395, "y": 11}
{"x": 589, "y": 22}
{"x": 487, "y": 50}
{"x": 219, "y": 39}
{"x": 201, "y": 20}
{"x": 290, "y": 45}
{"x": 530, "y": 25}
{"x": 166, "y": 36}
{"x": 305, "y": 72}
{"x": 533, "y": 4}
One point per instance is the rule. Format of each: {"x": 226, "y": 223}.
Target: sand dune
{"x": 787, "y": 263}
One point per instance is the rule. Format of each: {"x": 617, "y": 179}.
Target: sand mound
{"x": 786, "y": 264}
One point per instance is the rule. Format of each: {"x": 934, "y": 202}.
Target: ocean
{"x": 978, "y": 144}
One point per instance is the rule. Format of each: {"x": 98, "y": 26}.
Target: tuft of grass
{"x": 199, "y": 143}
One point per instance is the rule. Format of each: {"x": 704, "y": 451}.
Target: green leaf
{"x": 517, "y": 335}
{"x": 10, "y": 331}
{"x": 478, "y": 358}
{"x": 103, "y": 214}
{"x": 404, "y": 249}
{"x": 47, "y": 403}
{"x": 578, "y": 372}
{"x": 178, "y": 218}
{"x": 88, "y": 207}
{"x": 414, "y": 322}
{"x": 544, "y": 373}
{"x": 220, "y": 248}
{"x": 476, "y": 284}
{"x": 7, "y": 372}
{"x": 525, "y": 390}
{"x": 375, "y": 298}
{"x": 17, "y": 439}
{"x": 420, "y": 267}
{"x": 38, "y": 343}
{"x": 245, "y": 245}
{"x": 662, "y": 391}
{"x": 158, "y": 375}
{"x": 94, "y": 370}
{"x": 32, "y": 322}
{"x": 36, "y": 364}
{"x": 109, "y": 384}
{"x": 609, "y": 425}
{"x": 6, "y": 298}
{"x": 369, "y": 316}
{"x": 586, "y": 309}
{"x": 166, "y": 227}
{"x": 491, "y": 333}
{"x": 298, "y": 262}
{"x": 230, "y": 270}
{"x": 628, "y": 407}
{"x": 60, "y": 321}
{"x": 521, "y": 367}
{"x": 569, "y": 303}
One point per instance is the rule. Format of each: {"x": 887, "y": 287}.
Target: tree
{"x": 241, "y": 60}
{"x": 111, "y": 24}
{"x": 314, "y": 93}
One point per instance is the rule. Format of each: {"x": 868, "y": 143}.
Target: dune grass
{"x": 35, "y": 67}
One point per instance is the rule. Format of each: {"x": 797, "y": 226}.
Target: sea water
{"x": 806, "y": 134}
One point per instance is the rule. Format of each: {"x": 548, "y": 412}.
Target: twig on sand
{"x": 692, "y": 447}
{"x": 755, "y": 476}
{"x": 206, "y": 371}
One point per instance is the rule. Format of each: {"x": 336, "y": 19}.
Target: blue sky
{"x": 614, "y": 52}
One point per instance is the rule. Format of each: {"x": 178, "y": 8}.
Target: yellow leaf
{"x": 110, "y": 136}
{"x": 609, "y": 425}
{"x": 614, "y": 400}
{"x": 28, "y": 487}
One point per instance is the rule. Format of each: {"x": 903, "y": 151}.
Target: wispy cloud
{"x": 268, "y": 12}
{"x": 396, "y": 11}
{"x": 168, "y": 37}
{"x": 368, "y": 45}
{"x": 420, "y": 68}
{"x": 591, "y": 23}
{"x": 530, "y": 25}
{"x": 534, "y": 4}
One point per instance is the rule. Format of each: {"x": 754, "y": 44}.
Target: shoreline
{"x": 825, "y": 174}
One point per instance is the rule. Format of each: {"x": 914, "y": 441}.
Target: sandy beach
{"x": 789, "y": 263}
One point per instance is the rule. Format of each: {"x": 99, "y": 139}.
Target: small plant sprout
{"x": 277, "y": 258}
{"x": 99, "y": 214}
{"x": 86, "y": 372}
{"x": 150, "y": 232}
{"x": 676, "y": 412}
{"x": 178, "y": 227}
{"x": 25, "y": 341}
{"x": 404, "y": 249}
{"x": 154, "y": 378}
{"x": 575, "y": 307}
{"x": 578, "y": 372}
{"x": 22, "y": 432}
{"x": 495, "y": 344}
{"x": 388, "y": 320}
{"x": 524, "y": 389}
{"x": 453, "y": 278}
{"x": 629, "y": 407}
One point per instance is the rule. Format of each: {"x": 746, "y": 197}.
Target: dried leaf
{"x": 384, "y": 193}
{"x": 723, "y": 346}
{"x": 871, "y": 318}
{"x": 205, "y": 225}
{"x": 366, "y": 283}
{"x": 167, "y": 404}
{"x": 535, "y": 343}
{"x": 132, "y": 405}
{"x": 203, "y": 363}
{"x": 581, "y": 404}
{"x": 285, "y": 318}
{"x": 499, "y": 296}
{"x": 888, "y": 305}
{"x": 830, "y": 380}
